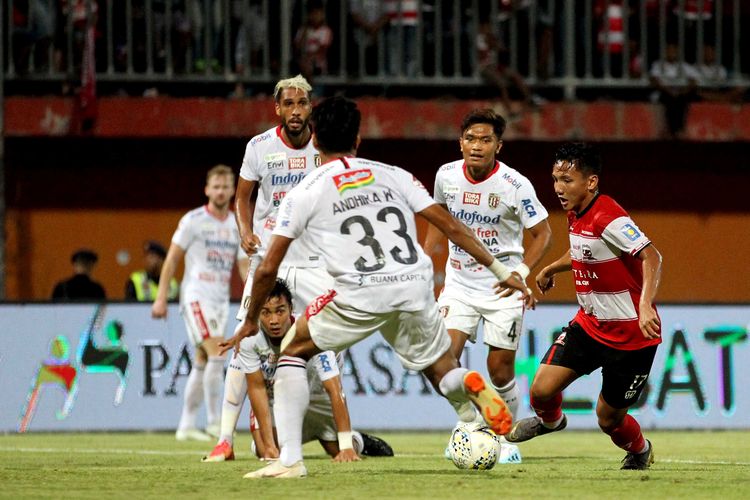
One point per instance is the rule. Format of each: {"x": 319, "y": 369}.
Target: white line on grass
{"x": 120, "y": 451}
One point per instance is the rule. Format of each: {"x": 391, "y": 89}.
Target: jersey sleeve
{"x": 438, "y": 194}
{"x": 250, "y": 170}
{"x": 625, "y": 235}
{"x": 326, "y": 365}
{"x": 530, "y": 210}
{"x": 414, "y": 192}
{"x": 293, "y": 213}
{"x": 248, "y": 357}
{"x": 183, "y": 236}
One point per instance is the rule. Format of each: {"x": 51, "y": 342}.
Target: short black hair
{"x": 155, "y": 248}
{"x": 484, "y": 116}
{"x": 335, "y": 122}
{"x": 84, "y": 256}
{"x": 585, "y": 157}
{"x": 281, "y": 289}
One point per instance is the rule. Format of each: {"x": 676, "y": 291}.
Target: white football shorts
{"x": 503, "y": 319}
{"x": 204, "y": 320}
{"x": 305, "y": 283}
{"x": 419, "y": 338}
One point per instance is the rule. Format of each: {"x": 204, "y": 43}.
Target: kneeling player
{"x": 327, "y": 418}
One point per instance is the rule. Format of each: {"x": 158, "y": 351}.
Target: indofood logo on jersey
{"x": 289, "y": 178}
{"x": 353, "y": 180}
{"x": 475, "y": 217}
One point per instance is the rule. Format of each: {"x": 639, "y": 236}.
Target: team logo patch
{"x": 299, "y": 163}
{"x": 444, "y": 311}
{"x": 586, "y": 251}
{"x": 353, "y": 180}
{"x": 631, "y": 232}
{"x": 493, "y": 200}
{"x": 318, "y": 161}
{"x": 456, "y": 264}
{"x": 472, "y": 198}
{"x": 560, "y": 340}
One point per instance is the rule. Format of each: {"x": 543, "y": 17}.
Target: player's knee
{"x": 502, "y": 376}
{"x": 608, "y": 423}
{"x": 540, "y": 392}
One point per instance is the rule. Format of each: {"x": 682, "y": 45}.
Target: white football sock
{"x": 357, "y": 442}
{"x": 511, "y": 394}
{"x": 452, "y": 387}
{"x": 213, "y": 385}
{"x": 466, "y": 411}
{"x": 193, "y": 398}
{"x": 235, "y": 390}
{"x": 291, "y": 398}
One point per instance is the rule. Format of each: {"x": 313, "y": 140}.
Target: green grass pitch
{"x": 569, "y": 465}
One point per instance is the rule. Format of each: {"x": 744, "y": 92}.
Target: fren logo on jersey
{"x": 353, "y": 180}
{"x": 472, "y": 198}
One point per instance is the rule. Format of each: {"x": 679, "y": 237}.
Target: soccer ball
{"x": 473, "y": 446}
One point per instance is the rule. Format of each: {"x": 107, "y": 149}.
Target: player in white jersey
{"x": 274, "y": 162}
{"x": 360, "y": 214}
{"x": 208, "y": 240}
{"x": 327, "y": 418}
{"x": 497, "y": 204}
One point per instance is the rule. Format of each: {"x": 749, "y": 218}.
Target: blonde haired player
{"x": 208, "y": 240}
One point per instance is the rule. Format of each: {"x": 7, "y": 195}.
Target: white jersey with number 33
{"x": 360, "y": 214}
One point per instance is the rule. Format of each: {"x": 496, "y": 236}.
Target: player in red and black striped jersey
{"x": 616, "y": 271}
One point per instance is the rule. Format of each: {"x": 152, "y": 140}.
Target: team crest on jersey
{"x": 560, "y": 340}
{"x": 444, "y": 311}
{"x": 299, "y": 163}
{"x": 493, "y": 200}
{"x": 630, "y": 232}
{"x": 275, "y": 161}
{"x": 472, "y": 198}
{"x": 586, "y": 251}
{"x": 318, "y": 161}
{"x": 353, "y": 180}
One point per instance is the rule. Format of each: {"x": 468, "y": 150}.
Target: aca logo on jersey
{"x": 353, "y": 180}
{"x": 529, "y": 207}
{"x": 630, "y": 232}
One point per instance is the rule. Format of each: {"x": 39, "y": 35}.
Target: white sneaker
{"x": 508, "y": 454}
{"x": 191, "y": 435}
{"x": 278, "y": 470}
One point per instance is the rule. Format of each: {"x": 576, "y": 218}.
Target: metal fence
{"x": 568, "y": 44}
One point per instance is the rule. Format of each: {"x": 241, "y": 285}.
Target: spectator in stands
{"x": 675, "y": 83}
{"x": 80, "y": 287}
{"x": 143, "y": 284}
{"x": 250, "y": 34}
{"x": 401, "y": 33}
{"x": 312, "y": 42}
{"x": 33, "y": 29}
{"x": 493, "y": 59}
{"x": 369, "y": 19}
{"x": 714, "y": 79}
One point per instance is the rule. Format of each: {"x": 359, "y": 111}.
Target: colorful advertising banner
{"x": 96, "y": 367}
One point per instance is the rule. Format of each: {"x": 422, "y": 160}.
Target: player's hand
{"x": 543, "y": 282}
{"x": 347, "y": 455}
{"x": 649, "y": 322}
{"x": 250, "y": 243}
{"x": 243, "y": 330}
{"x": 513, "y": 283}
{"x": 159, "y": 309}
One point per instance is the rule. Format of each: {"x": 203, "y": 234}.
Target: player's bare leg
{"x": 546, "y": 399}
{"x": 625, "y": 433}
{"x": 291, "y": 398}
{"x": 459, "y": 384}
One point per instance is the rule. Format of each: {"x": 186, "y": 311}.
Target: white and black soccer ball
{"x": 473, "y": 446}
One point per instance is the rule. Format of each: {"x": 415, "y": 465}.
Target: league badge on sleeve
{"x": 631, "y": 232}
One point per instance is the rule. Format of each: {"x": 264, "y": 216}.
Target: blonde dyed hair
{"x": 298, "y": 82}
{"x": 219, "y": 170}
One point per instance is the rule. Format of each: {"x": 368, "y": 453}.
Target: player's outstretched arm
{"x": 648, "y": 319}
{"x": 341, "y": 417}
{"x": 168, "y": 270}
{"x": 545, "y": 280}
{"x": 256, "y": 392}
{"x": 462, "y": 236}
